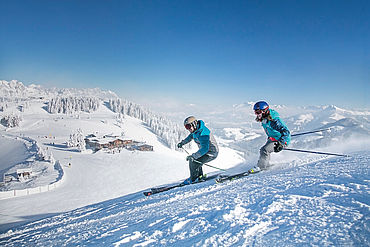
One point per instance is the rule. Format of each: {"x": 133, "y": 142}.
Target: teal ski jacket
{"x": 276, "y": 129}
{"x": 205, "y": 141}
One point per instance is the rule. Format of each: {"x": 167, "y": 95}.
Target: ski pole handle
{"x": 196, "y": 161}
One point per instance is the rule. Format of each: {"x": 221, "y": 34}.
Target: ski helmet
{"x": 190, "y": 122}
{"x": 261, "y": 105}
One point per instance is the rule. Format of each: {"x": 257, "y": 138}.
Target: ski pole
{"x": 210, "y": 165}
{"x": 310, "y": 132}
{"x": 204, "y": 163}
{"x": 314, "y": 152}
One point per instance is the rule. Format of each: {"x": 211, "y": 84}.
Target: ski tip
{"x": 147, "y": 193}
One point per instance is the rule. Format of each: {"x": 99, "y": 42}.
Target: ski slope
{"x": 92, "y": 177}
{"x": 13, "y": 152}
{"x": 305, "y": 199}
{"x": 323, "y": 203}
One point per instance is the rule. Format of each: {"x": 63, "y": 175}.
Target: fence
{"x": 36, "y": 190}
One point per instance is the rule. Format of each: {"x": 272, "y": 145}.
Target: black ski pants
{"x": 196, "y": 166}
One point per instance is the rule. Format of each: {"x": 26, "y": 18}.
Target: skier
{"x": 208, "y": 149}
{"x": 277, "y": 132}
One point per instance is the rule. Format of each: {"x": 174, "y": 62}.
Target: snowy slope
{"x": 307, "y": 198}
{"x": 92, "y": 177}
{"x": 324, "y": 203}
{"x": 13, "y": 152}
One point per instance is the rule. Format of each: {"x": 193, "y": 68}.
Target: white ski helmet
{"x": 190, "y": 122}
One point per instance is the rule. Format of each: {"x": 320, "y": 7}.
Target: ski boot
{"x": 201, "y": 178}
{"x": 253, "y": 170}
{"x": 187, "y": 181}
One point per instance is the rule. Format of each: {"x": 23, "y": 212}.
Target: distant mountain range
{"x": 17, "y": 90}
{"x": 235, "y": 124}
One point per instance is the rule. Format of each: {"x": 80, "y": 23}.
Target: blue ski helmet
{"x": 261, "y": 105}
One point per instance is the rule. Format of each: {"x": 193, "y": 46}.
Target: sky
{"x": 167, "y": 54}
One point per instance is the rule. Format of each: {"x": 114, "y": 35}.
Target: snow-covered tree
{"x": 77, "y": 139}
{"x": 42, "y": 154}
{"x": 11, "y": 121}
{"x": 170, "y": 132}
{"x": 70, "y": 105}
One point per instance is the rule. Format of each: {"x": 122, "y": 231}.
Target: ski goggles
{"x": 188, "y": 126}
{"x": 257, "y": 112}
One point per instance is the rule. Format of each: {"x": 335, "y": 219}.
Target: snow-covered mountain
{"x": 40, "y": 143}
{"x": 95, "y": 198}
{"x": 16, "y": 90}
{"x": 237, "y": 127}
{"x": 18, "y": 97}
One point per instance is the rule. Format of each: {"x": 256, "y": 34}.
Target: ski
{"x": 161, "y": 189}
{"x": 224, "y": 178}
{"x": 170, "y": 187}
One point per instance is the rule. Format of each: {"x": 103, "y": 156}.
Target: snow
{"x": 12, "y": 153}
{"x": 321, "y": 203}
{"x": 304, "y": 118}
{"x": 92, "y": 177}
{"x": 304, "y": 199}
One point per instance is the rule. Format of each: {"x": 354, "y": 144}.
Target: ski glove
{"x": 179, "y": 145}
{"x": 278, "y": 147}
{"x": 190, "y": 158}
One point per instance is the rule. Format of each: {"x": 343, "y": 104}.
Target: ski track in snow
{"x": 324, "y": 203}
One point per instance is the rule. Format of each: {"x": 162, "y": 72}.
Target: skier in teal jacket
{"x": 276, "y": 130}
{"x": 208, "y": 148}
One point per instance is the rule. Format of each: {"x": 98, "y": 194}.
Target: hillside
{"x": 99, "y": 200}
{"x": 323, "y": 203}
{"x": 92, "y": 177}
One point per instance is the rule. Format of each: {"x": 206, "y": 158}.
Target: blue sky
{"x": 200, "y": 52}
